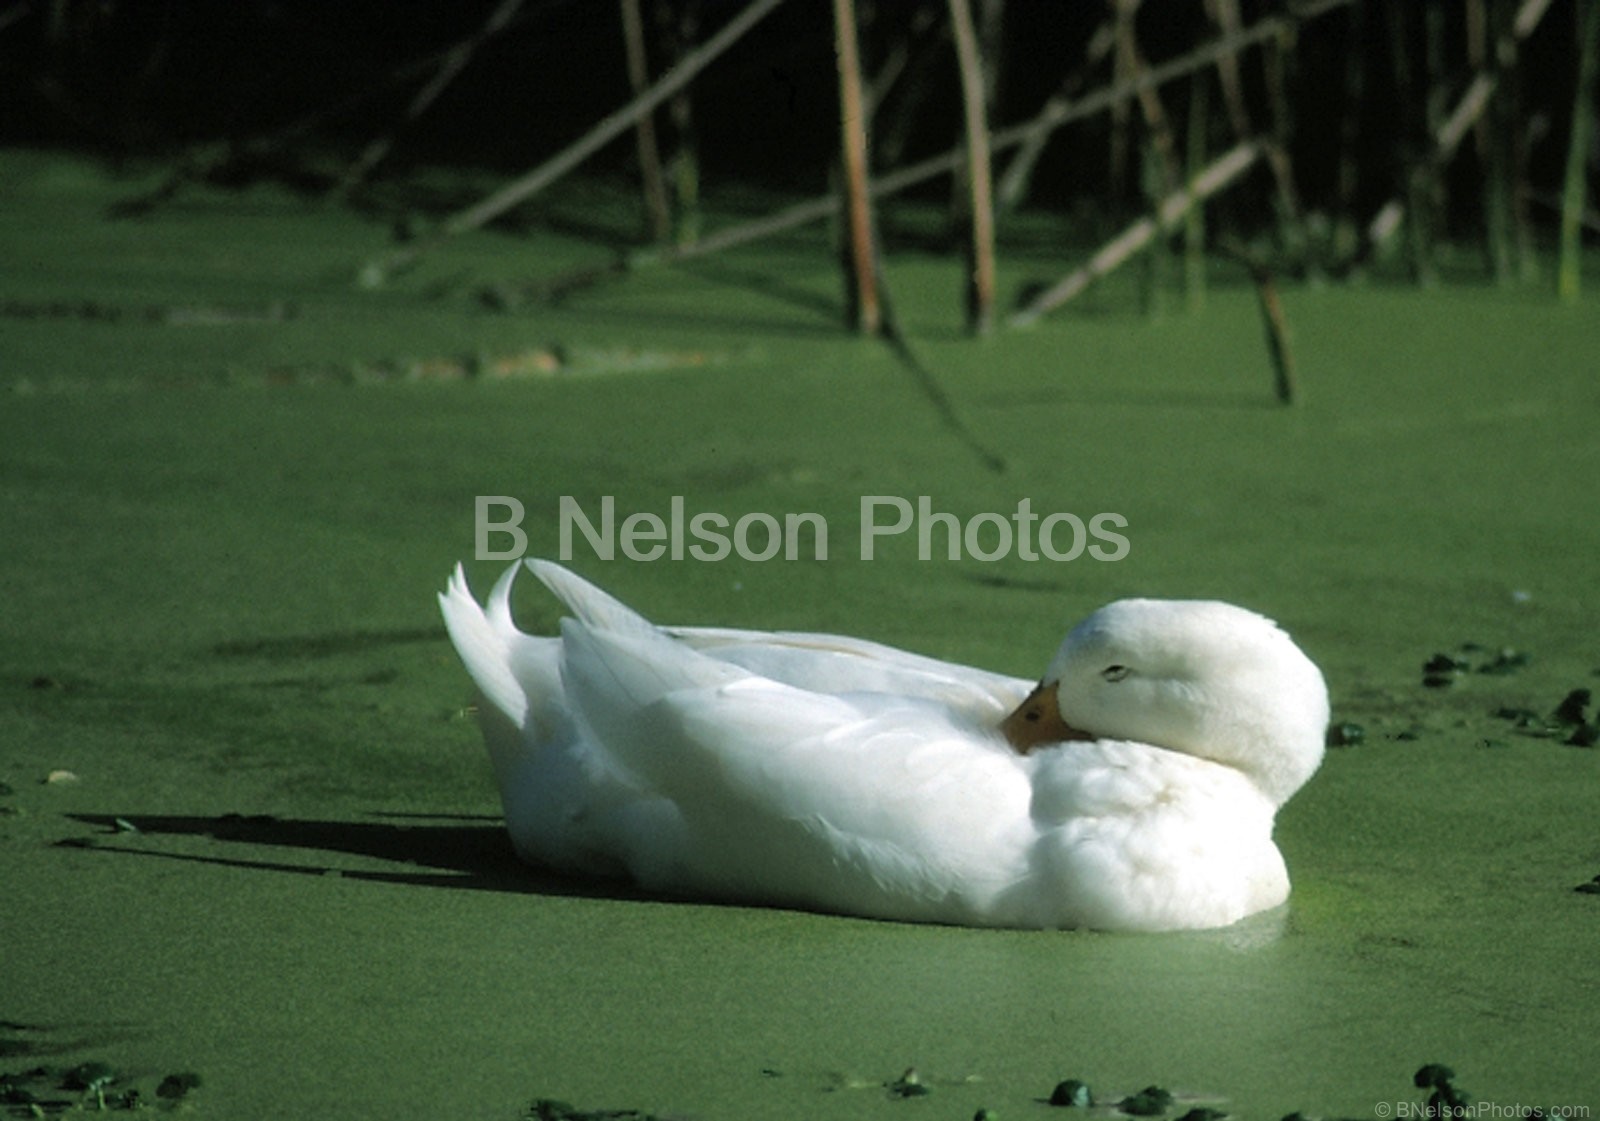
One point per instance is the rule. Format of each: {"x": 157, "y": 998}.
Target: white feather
{"x": 834, "y": 773}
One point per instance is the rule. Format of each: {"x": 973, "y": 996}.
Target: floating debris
{"x": 1149, "y": 1102}
{"x": 1570, "y": 710}
{"x": 1072, "y": 1093}
{"x": 1521, "y": 718}
{"x": 552, "y": 1109}
{"x": 1568, "y": 720}
{"x": 172, "y": 315}
{"x": 1442, "y": 670}
{"x": 89, "y": 1076}
{"x": 537, "y": 362}
{"x": 14, "y": 1090}
{"x": 1506, "y": 660}
{"x": 1447, "y": 1100}
{"x": 1346, "y": 734}
{"x": 909, "y": 1085}
{"x": 1430, "y": 1075}
{"x": 176, "y": 1086}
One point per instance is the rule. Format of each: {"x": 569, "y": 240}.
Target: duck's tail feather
{"x": 484, "y": 639}
{"x": 588, "y": 604}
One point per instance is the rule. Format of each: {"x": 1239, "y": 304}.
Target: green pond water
{"x": 223, "y": 522}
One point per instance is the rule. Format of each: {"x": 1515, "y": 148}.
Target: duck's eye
{"x": 1114, "y": 673}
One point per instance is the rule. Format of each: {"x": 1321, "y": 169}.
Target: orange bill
{"x": 1038, "y": 721}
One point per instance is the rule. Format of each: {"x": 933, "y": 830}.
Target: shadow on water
{"x": 1219, "y": 399}
{"x": 773, "y": 286}
{"x": 324, "y": 645}
{"x": 468, "y": 852}
{"x": 472, "y": 852}
{"x": 21, "y": 1040}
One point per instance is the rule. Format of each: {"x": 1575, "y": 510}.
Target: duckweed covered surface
{"x": 248, "y": 831}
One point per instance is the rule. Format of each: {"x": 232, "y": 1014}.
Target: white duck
{"x": 833, "y": 773}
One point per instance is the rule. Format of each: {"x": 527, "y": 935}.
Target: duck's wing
{"x": 818, "y": 663}
{"x": 837, "y": 664}
{"x": 861, "y": 803}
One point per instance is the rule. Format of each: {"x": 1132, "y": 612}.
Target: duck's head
{"x": 1204, "y": 678}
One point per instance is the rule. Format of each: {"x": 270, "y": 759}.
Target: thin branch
{"x": 1223, "y": 171}
{"x": 1569, "y": 270}
{"x": 520, "y": 190}
{"x": 1225, "y": 14}
{"x": 1122, "y": 13}
{"x": 861, "y": 279}
{"x": 651, "y": 177}
{"x": 1131, "y": 61}
{"x": 1019, "y": 172}
{"x": 1279, "y": 343}
{"x": 1057, "y": 112}
{"x": 980, "y": 238}
{"x": 1469, "y": 107}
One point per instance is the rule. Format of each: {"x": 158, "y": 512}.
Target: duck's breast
{"x": 1135, "y": 837}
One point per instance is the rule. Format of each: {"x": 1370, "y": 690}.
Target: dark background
{"x": 150, "y": 77}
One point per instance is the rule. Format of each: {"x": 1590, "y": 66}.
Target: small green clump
{"x": 175, "y": 1086}
{"x": 1524, "y": 718}
{"x": 14, "y": 1090}
{"x": 1447, "y": 1099}
{"x": 1568, "y": 719}
{"x": 1345, "y": 734}
{"x": 1431, "y": 1076}
{"x": 1570, "y": 714}
{"x": 89, "y": 1076}
{"x": 1147, "y": 1102}
{"x": 1441, "y": 670}
{"x": 1570, "y": 710}
{"x": 1072, "y": 1093}
{"x": 1506, "y": 660}
{"x": 909, "y": 1085}
{"x": 553, "y": 1109}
